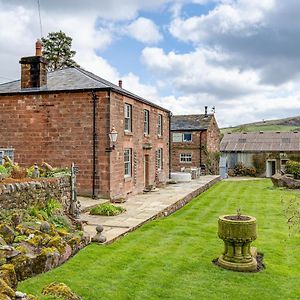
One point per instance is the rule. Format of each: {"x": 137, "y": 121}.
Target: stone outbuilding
{"x": 195, "y": 143}
{"x": 268, "y": 152}
{"x": 69, "y": 115}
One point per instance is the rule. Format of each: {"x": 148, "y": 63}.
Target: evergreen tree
{"x": 57, "y": 50}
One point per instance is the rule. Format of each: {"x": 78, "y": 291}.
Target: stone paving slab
{"x": 144, "y": 207}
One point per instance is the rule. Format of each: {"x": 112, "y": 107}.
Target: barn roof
{"x": 71, "y": 79}
{"x": 190, "y": 122}
{"x": 260, "y": 141}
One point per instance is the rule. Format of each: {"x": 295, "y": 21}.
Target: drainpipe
{"x": 200, "y": 149}
{"x": 170, "y": 143}
{"x": 110, "y": 126}
{"x": 95, "y": 98}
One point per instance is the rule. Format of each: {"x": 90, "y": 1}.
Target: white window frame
{"x": 184, "y": 139}
{"x": 6, "y": 152}
{"x": 185, "y": 157}
{"x": 128, "y": 117}
{"x": 160, "y": 159}
{"x": 146, "y": 121}
{"x": 1, "y": 156}
{"x": 127, "y": 162}
{"x": 160, "y": 125}
{"x": 176, "y": 137}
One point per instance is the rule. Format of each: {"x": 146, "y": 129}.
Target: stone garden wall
{"x": 33, "y": 193}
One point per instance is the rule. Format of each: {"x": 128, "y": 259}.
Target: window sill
{"x": 160, "y": 137}
{"x": 146, "y": 135}
{"x": 128, "y": 133}
{"x": 127, "y": 178}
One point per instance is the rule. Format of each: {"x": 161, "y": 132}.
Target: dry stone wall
{"x": 38, "y": 192}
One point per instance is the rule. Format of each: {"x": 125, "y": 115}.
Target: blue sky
{"x": 240, "y": 56}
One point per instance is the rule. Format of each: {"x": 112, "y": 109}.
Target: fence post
{"x": 74, "y": 205}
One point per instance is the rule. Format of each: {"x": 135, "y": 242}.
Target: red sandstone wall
{"x": 189, "y": 147}
{"x": 136, "y": 140}
{"x": 58, "y": 128}
{"x": 213, "y": 136}
{"x": 210, "y": 141}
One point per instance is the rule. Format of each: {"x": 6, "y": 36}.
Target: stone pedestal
{"x": 237, "y": 232}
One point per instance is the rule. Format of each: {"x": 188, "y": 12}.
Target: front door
{"x": 270, "y": 168}
{"x": 146, "y": 171}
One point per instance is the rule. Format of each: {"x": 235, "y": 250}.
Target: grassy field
{"x": 171, "y": 258}
{"x": 256, "y": 128}
{"x": 286, "y": 124}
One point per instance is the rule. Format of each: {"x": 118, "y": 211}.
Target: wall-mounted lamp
{"x": 113, "y": 135}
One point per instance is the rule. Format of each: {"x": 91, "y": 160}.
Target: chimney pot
{"x": 205, "y": 111}
{"x": 120, "y": 84}
{"x": 38, "y": 48}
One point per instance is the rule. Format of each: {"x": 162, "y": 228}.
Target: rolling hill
{"x": 287, "y": 124}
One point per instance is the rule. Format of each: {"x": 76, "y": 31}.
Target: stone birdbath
{"x": 237, "y": 232}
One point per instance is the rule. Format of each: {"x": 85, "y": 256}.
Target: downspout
{"x": 170, "y": 143}
{"x": 95, "y": 98}
{"x": 200, "y": 148}
{"x": 110, "y": 126}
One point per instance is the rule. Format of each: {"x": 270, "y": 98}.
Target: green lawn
{"x": 171, "y": 258}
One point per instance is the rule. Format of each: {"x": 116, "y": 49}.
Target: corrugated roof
{"x": 71, "y": 79}
{"x": 190, "y": 122}
{"x": 260, "y": 141}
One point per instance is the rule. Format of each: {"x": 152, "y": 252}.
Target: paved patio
{"x": 144, "y": 207}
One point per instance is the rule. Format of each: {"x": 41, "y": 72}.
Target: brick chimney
{"x": 33, "y": 69}
{"x": 120, "y": 83}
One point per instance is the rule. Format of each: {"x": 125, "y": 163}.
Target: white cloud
{"x": 79, "y": 21}
{"x": 242, "y": 16}
{"x": 200, "y": 72}
{"x": 132, "y": 83}
{"x": 144, "y": 30}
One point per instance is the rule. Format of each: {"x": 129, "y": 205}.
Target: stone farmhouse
{"x": 195, "y": 143}
{"x": 268, "y": 152}
{"x": 72, "y": 115}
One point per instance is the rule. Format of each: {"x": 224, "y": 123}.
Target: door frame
{"x": 146, "y": 170}
{"x": 269, "y": 167}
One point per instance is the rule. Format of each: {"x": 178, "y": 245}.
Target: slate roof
{"x": 190, "y": 122}
{"x": 71, "y": 79}
{"x": 260, "y": 142}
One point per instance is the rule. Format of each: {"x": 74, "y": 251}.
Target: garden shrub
{"x": 3, "y": 170}
{"x": 291, "y": 208}
{"x": 18, "y": 173}
{"x": 52, "y": 206}
{"x": 259, "y": 162}
{"x": 107, "y": 209}
{"x": 60, "y": 222}
{"x": 293, "y": 167}
{"x": 241, "y": 170}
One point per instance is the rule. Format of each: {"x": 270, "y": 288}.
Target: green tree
{"x": 57, "y": 50}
